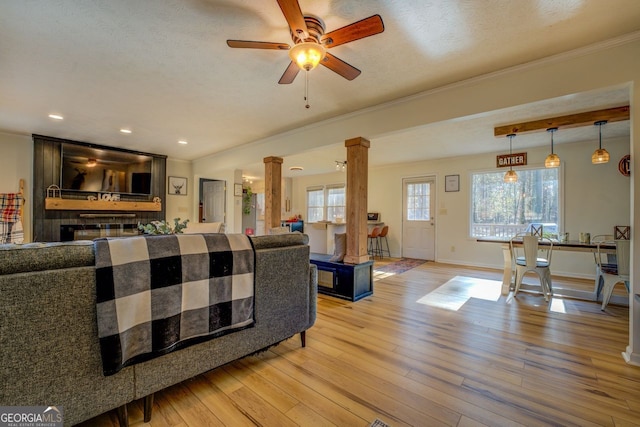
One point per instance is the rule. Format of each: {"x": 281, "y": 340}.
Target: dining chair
{"x": 525, "y": 259}
{"x": 619, "y": 273}
{"x": 607, "y": 260}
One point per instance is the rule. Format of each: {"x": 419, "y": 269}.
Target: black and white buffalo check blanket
{"x": 159, "y": 293}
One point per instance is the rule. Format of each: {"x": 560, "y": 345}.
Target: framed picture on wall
{"x": 177, "y": 186}
{"x": 452, "y": 183}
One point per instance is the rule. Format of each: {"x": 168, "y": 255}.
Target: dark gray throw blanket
{"x": 159, "y": 293}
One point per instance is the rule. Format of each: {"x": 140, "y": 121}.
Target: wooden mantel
{"x": 55, "y": 203}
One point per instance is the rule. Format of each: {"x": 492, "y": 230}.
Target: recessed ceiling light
{"x": 125, "y": 131}
{"x": 296, "y": 168}
{"x": 55, "y": 116}
{"x": 183, "y": 142}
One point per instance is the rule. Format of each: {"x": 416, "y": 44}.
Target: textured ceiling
{"x": 163, "y": 69}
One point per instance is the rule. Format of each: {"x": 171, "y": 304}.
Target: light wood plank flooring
{"x": 431, "y": 347}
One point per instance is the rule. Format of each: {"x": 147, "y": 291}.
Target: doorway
{"x": 212, "y": 200}
{"x": 418, "y": 222}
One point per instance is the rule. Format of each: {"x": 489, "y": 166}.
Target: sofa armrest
{"x": 313, "y": 292}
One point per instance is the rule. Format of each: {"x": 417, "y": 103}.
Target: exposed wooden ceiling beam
{"x": 588, "y": 118}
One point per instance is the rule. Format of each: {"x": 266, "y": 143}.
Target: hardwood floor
{"x": 431, "y": 347}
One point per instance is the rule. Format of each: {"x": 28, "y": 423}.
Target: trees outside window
{"x": 501, "y": 210}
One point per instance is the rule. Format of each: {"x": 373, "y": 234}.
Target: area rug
{"x": 399, "y": 266}
{"x": 379, "y": 423}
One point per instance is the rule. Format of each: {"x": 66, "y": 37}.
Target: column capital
{"x": 357, "y": 141}
{"x": 273, "y": 159}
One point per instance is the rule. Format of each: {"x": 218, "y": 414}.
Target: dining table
{"x": 572, "y": 246}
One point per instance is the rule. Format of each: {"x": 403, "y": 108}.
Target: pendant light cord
{"x": 599, "y": 124}
{"x": 510, "y": 151}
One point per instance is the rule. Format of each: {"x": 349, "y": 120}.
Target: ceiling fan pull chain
{"x": 306, "y": 88}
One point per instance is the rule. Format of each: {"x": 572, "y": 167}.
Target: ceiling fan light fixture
{"x": 600, "y": 155}
{"x": 307, "y": 55}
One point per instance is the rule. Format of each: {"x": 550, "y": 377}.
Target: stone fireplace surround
{"x": 48, "y": 224}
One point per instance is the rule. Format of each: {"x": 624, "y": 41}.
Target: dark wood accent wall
{"x": 46, "y": 171}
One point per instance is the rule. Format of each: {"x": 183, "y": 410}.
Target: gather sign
{"x": 515, "y": 159}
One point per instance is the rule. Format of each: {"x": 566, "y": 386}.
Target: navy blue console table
{"x": 346, "y": 281}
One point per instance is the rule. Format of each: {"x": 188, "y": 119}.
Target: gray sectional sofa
{"x": 49, "y": 348}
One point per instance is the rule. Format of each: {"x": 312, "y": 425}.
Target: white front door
{"x": 418, "y": 222}
{"x": 213, "y": 201}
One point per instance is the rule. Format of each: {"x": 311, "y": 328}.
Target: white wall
{"x": 233, "y": 205}
{"x": 181, "y": 206}
{"x": 16, "y": 163}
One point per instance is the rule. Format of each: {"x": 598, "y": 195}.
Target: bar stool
{"x": 373, "y": 244}
{"x": 383, "y": 235}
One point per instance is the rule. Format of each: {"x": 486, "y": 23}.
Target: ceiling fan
{"x": 311, "y": 43}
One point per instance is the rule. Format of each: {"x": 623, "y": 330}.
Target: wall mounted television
{"x": 99, "y": 169}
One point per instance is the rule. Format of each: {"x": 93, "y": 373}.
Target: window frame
{"x": 327, "y": 190}
{"x": 316, "y": 188}
{"x": 325, "y": 206}
{"x": 561, "y": 199}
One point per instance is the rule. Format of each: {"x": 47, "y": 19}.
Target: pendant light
{"x": 511, "y": 175}
{"x": 600, "y": 155}
{"x": 552, "y": 160}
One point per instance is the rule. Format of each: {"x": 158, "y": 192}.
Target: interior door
{"x": 213, "y": 201}
{"x": 418, "y": 222}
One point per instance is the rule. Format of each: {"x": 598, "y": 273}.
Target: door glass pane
{"x": 418, "y": 201}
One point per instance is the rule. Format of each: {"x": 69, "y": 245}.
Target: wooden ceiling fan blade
{"x": 295, "y": 19}
{"x": 289, "y": 74}
{"x": 337, "y": 65}
{"x": 358, "y": 30}
{"x": 247, "y": 44}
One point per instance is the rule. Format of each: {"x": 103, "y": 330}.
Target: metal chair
{"x": 602, "y": 260}
{"x": 526, "y": 259}
{"x": 617, "y": 274}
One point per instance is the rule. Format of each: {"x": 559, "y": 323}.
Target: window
{"x": 315, "y": 204}
{"x": 418, "y": 201}
{"x": 336, "y": 202}
{"x": 500, "y": 209}
{"x": 326, "y": 203}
